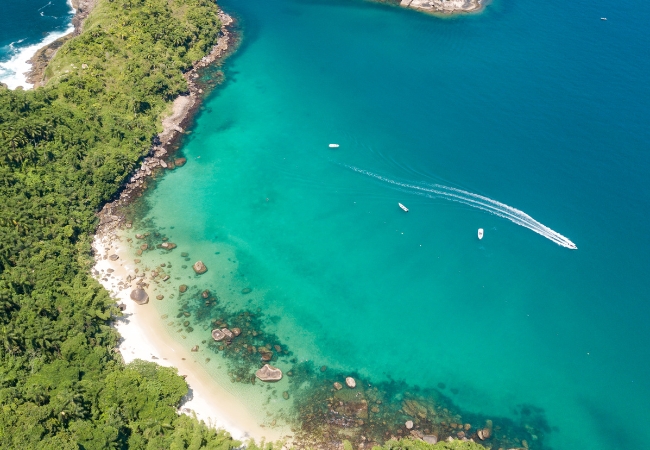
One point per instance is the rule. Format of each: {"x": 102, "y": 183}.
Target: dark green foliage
{"x": 64, "y": 150}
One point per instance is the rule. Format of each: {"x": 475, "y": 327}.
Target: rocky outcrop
{"x": 443, "y": 6}
{"x": 350, "y": 382}
{"x": 269, "y": 373}
{"x": 199, "y": 267}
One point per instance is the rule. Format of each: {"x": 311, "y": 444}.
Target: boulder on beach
{"x": 199, "y": 267}
{"x": 269, "y": 373}
{"x": 139, "y": 296}
{"x": 350, "y": 382}
{"x": 113, "y": 257}
{"x": 430, "y": 439}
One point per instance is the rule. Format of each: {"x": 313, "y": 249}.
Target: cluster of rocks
{"x": 443, "y": 6}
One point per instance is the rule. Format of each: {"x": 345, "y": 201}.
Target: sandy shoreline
{"x": 143, "y": 336}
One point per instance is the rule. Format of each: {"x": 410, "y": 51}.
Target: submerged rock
{"x": 180, "y": 162}
{"x": 338, "y": 386}
{"x": 285, "y": 395}
{"x": 269, "y": 373}
{"x": 159, "y": 297}
{"x": 236, "y": 331}
{"x": 350, "y": 382}
{"x": 182, "y": 288}
{"x": 246, "y": 291}
{"x": 205, "y": 294}
{"x": 139, "y": 296}
{"x": 199, "y": 267}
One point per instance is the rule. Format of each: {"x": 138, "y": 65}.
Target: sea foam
{"x": 476, "y": 201}
{"x": 13, "y": 72}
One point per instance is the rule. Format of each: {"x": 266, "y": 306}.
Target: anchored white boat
{"x": 334, "y": 145}
{"x": 603, "y": 18}
{"x": 404, "y": 208}
{"x": 480, "y": 233}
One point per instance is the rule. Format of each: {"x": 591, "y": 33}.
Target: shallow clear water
{"x": 538, "y": 105}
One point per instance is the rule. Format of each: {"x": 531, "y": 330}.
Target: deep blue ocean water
{"x": 24, "y": 26}
{"x": 540, "y": 106}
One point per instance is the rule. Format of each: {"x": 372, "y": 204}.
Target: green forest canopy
{"x": 65, "y": 149}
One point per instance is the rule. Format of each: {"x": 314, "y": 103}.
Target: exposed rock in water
{"x": 409, "y": 424}
{"x": 229, "y": 334}
{"x": 160, "y": 297}
{"x": 218, "y": 335}
{"x": 165, "y": 278}
{"x": 168, "y": 245}
{"x": 144, "y": 246}
{"x": 205, "y": 294}
{"x": 180, "y": 162}
{"x": 269, "y": 373}
{"x": 113, "y": 257}
{"x": 236, "y": 331}
{"x": 350, "y": 382}
{"x": 199, "y": 267}
{"x": 139, "y": 296}
{"x": 246, "y": 291}
{"x": 195, "y": 348}
{"x": 182, "y": 288}
{"x": 484, "y": 434}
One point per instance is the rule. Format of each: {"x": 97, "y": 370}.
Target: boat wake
{"x": 476, "y": 201}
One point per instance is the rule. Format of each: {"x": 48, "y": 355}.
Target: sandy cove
{"x": 143, "y": 336}
{"x": 143, "y": 333}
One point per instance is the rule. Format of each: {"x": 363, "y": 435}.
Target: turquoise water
{"x": 538, "y": 105}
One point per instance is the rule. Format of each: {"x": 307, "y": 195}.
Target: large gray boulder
{"x": 139, "y": 296}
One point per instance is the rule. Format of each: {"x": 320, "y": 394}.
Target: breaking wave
{"x": 477, "y": 201}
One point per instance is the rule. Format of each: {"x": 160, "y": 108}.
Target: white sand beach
{"x": 144, "y": 337}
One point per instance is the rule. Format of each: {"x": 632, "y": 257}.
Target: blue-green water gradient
{"x": 538, "y": 105}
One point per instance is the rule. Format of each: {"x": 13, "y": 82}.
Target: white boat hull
{"x": 404, "y": 208}
{"x": 480, "y": 233}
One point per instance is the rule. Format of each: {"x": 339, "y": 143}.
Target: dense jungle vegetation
{"x": 65, "y": 149}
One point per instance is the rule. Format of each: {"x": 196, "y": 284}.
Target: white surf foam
{"x": 14, "y": 72}
{"x": 477, "y": 201}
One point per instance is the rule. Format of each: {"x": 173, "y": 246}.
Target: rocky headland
{"x": 443, "y": 6}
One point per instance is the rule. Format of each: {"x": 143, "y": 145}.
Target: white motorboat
{"x": 480, "y": 233}
{"x": 404, "y": 208}
{"x": 334, "y": 145}
{"x": 603, "y": 18}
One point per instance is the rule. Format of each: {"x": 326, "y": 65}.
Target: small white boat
{"x": 334, "y": 145}
{"x": 480, "y": 233}
{"x": 603, "y": 18}
{"x": 404, "y": 208}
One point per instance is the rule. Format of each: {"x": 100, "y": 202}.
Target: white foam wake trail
{"x": 13, "y": 73}
{"x": 478, "y": 201}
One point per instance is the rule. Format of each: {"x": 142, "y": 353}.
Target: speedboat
{"x": 603, "y": 18}
{"x": 404, "y": 208}
{"x": 334, "y": 145}
{"x": 480, "y": 233}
